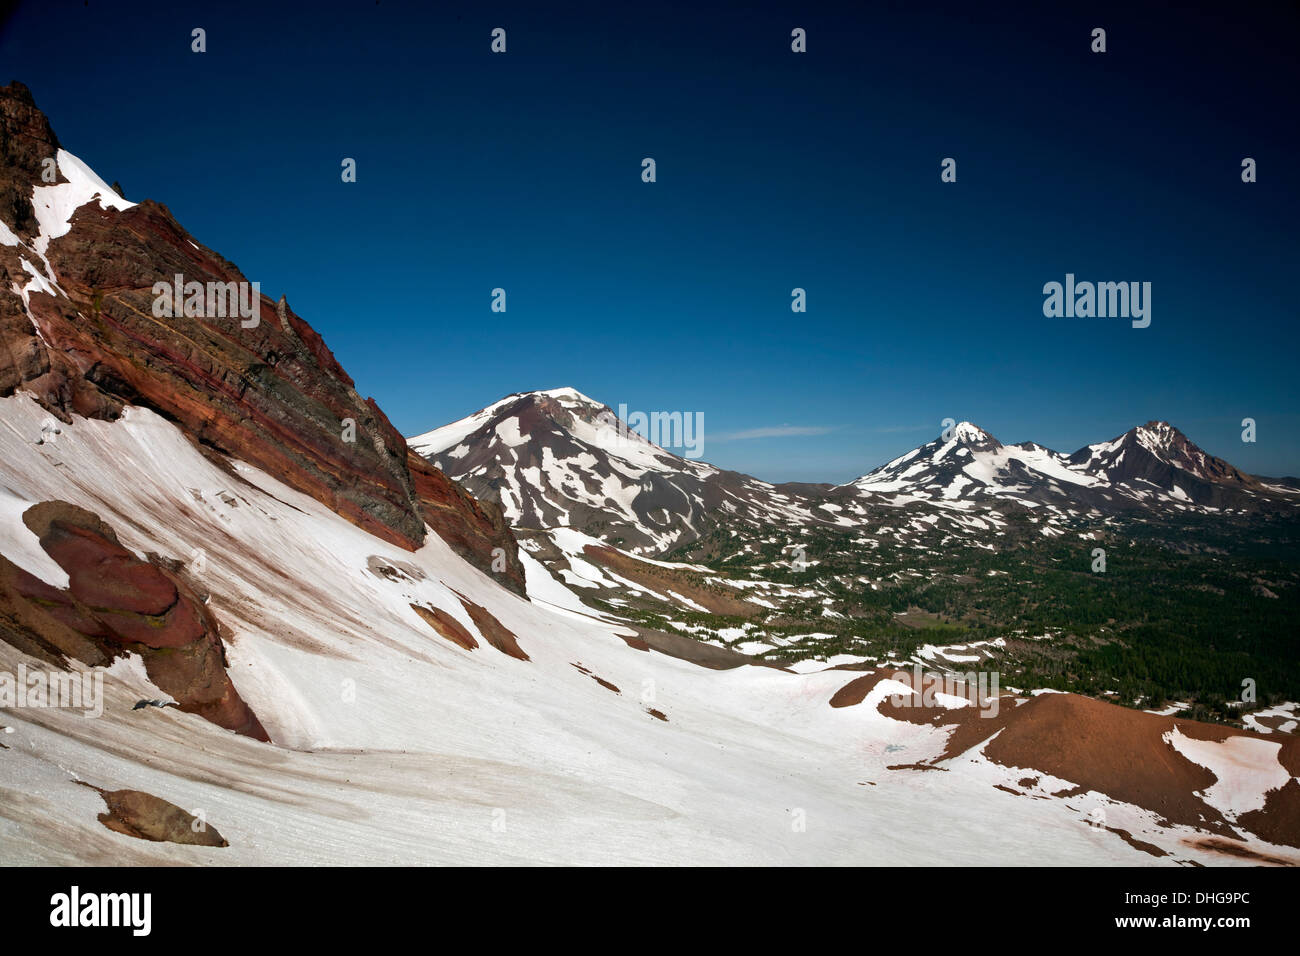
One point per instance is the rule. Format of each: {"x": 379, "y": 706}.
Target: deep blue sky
{"x": 775, "y": 170}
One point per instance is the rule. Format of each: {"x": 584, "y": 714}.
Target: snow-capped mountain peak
{"x": 557, "y": 458}
{"x": 966, "y": 461}
{"x": 1151, "y": 463}
{"x": 1158, "y": 454}
{"x": 537, "y": 415}
{"x": 968, "y": 433}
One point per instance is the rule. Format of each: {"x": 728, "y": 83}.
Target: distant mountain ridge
{"x": 556, "y": 458}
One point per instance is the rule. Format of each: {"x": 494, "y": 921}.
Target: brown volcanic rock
{"x": 446, "y": 625}
{"x": 26, "y": 140}
{"x": 493, "y": 631}
{"x": 44, "y": 621}
{"x": 117, "y": 602}
{"x": 104, "y": 574}
{"x": 135, "y": 813}
{"x": 132, "y": 600}
{"x": 272, "y": 395}
{"x": 22, "y": 356}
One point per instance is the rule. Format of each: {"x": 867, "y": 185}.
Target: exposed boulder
{"x": 117, "y": 603}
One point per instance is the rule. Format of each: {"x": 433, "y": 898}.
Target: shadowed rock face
{"x": 116, "y": 602}
{"x": 26, "y": 139}
{"x": 1159, "y": 454}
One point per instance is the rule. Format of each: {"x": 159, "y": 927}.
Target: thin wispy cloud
{"x": 774, "y": 431}
{"x": 894, "y": 429}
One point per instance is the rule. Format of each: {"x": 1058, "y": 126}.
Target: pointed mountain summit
{"x": 556, "y": 458}
{"x": 971, "y": 435}
{"x": 553, "y": 417}
{"x": 971, "y": 463}
{"x": 1157, "y": 457}
{"x": 1151, "y": 465}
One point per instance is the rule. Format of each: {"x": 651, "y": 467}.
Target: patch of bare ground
{"x": 143, "y": 816}
{"x": 1289, "y": 755}
{"x": 1071, "y": 792}
{"x": 1272, "y": 723}
{"x": 447, "y": 626}
{"x": 599, "y": 680}
{"x": 1279, "y": 819}
{"x": 1237, "y": 849}
{"x": 1137, "y": 844}
{"x": 856, "y": 690}
{"x": 659, "y": 579}
{"x": 918, "y": 766}
{"x": 493, "y": 631}
{"x": 635, "y": 641}
{"x": 1105, "y": 748}
{"x": 696, "y": 652}
{"x": 916, "y": 617}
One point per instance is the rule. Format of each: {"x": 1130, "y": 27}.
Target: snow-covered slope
{"x": 394, "y": 745}
{"x": 52, "y": 208}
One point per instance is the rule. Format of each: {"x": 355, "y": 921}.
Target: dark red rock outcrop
{"x": 272, "y": 395}
{"x": 26, "y": 140}
{"x": 116, "y": 602}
